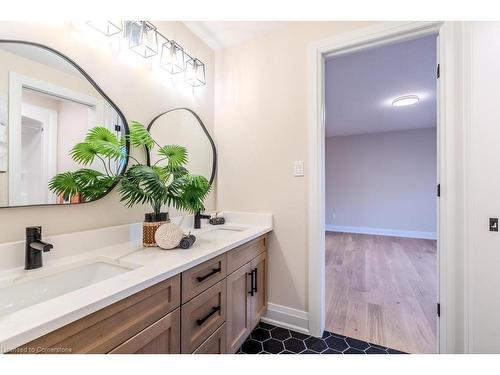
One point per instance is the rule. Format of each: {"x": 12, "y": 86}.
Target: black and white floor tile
{"x": 269, "y": 339}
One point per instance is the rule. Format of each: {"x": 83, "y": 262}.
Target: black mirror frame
{"x": 103, "y": 94}
{"x": 212, "y": 143}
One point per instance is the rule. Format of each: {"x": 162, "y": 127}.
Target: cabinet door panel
{"x": 215, "y": 344}
{"x": 162, "y": 337}
{"x": 259, "y": 299}
{"x": 238, "y": 308}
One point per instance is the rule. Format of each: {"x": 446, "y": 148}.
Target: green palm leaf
{"x": 64, "y": 184}
{"x": 100, "y": 133}
{"x": 194, "y": 190}
{"x": 143, "y": 184}
{"x": 175, "y": 154}
{"x": 113, "y": 151}
{"x": 84, "y": 153}
{"x": 139, "y": 136}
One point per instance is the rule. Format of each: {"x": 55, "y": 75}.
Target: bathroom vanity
{"x": 102, "y": 291}
{"x": 206, "y": 299}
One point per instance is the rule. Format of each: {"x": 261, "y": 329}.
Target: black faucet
{"x": 34, "y": 248}
{"x": 197, "y": 219}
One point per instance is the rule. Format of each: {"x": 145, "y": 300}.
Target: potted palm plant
{"x": 166, "y": 183}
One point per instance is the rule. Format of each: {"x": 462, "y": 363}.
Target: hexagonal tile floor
{"x": 269, "y": 339}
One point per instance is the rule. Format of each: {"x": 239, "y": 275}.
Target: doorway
{"x": 380, "y": 194}
{"x": 379, "y": 35}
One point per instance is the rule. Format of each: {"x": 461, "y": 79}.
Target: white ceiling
{"x": 360, "y": 87}
{"x": 223, "y": 34}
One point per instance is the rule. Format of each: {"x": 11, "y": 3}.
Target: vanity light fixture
{"x": 194, "y": 74}
{"x": 405, "y": 100}
{"x": 108, "y": 28}
{"x": 142, "y": 38}
{"x": 172, "y": 57}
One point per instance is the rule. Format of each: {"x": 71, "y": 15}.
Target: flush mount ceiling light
{"x": 405, "y": 100}
{"x": 143, "y": 38}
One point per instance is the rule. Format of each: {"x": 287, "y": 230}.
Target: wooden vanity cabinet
{"x": 239, "y": 307}
{"x": 246, "y": 296}
{"x": 208, "y": 309}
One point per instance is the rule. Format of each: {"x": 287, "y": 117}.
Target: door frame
{"x": 49, "y": 143}
{"x": 380, "y": 34}
{"x": 18, "y": 82}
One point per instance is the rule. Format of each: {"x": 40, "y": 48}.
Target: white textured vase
{"x": 168, "y": 236}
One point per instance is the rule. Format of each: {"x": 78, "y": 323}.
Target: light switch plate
{"x": 298, "y": 168}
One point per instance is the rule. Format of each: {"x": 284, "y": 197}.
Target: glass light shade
{"x": 195, "y": 73}
{"x": 108, "y": 28}
{"x": 142, "y": 38}
{"x": 172, "y": 57}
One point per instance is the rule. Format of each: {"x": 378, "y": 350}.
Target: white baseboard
{"x": 382, "y": 232}
{"x": 286, "y": 317}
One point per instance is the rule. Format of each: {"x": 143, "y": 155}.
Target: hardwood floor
{"x": 382, "y": 290}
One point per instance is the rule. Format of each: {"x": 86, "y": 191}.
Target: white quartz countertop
{"x": 152, "y": 265}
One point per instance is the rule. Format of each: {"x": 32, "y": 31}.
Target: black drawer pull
{"x": 213, "y": 272}
{"x": 255, "y": 288}
{"x": 251, "y": 282}
{"x": 203, "y": 320}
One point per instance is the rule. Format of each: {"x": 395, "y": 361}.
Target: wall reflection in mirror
{"x": 184, "y": 127}
{"x": 47, "y": 106}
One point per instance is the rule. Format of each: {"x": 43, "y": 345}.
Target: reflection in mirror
{"x": 47, "y": 106}
{"x": 183, "y": 127}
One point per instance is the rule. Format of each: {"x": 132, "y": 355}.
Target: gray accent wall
{"x": 382, "y": 183}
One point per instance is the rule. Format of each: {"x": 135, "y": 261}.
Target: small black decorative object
{"x": 217, "y": 220}
{"x": 187, "y": 241}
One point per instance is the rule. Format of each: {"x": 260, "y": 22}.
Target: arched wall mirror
{"x": 48, "y": 104}
{"x": 182, "y": 126}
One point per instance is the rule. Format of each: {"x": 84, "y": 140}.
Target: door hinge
{"x": 439, "y": 190}
{"x": 438, "y": 70}
{"x": 439, "y": 310}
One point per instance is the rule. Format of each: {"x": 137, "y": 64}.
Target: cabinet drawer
{"x": 245, "y": 253}
{"x": 215, "y": 344}
{"x": 202, "y": 316}
{"x": 109, "y": 327}
{"x": 203, "y": 276}
{"x": 162, "y": 337}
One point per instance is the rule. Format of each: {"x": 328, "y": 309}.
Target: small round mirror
{"x": 182, "y": 126}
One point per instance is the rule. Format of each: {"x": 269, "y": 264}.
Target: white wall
{"x": 137, "y": 88}
{"x": 382, "y": 183}
{"x": 483, "y": 188}
{"x": 261, "y": 128}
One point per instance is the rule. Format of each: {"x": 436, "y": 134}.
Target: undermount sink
{"x": 219, "y": 233}
{"x": 39, "y": 286}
